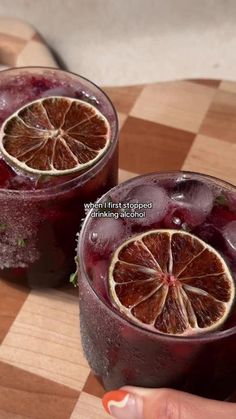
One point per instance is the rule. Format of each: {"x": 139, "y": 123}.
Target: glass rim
{"x": 80, "y": 179}
{"x": 194, "y": 338}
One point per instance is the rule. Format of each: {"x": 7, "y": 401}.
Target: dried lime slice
{"x": 54, "y": 135}
{"x": 170, "y": 281}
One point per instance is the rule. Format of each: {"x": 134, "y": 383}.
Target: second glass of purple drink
{"x": 39, "y": 220}
{"x": 121, "y": 351}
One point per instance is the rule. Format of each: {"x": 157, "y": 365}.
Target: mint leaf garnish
{"x": 73, "y": 279}
{"x": 21, "y": 242}
{"x": 221, "y": 200}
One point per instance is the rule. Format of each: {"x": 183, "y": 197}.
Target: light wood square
{"x": 44, "y": 339}
{"x": 125, "y": 175}
{"x": 228, "y": 86}
{"x": 122, "y": 118}
{"x": 36, "y": 52}
{"x": 89, "y": 407}
{"x": 213, "y": 157}
{"x": 180, "y": 104}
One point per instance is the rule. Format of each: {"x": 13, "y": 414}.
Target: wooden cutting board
{"x": 187, "y": 124}
{"x": 21, "y": 45}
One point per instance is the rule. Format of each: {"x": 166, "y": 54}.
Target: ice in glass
{"x": 156, "y": 275}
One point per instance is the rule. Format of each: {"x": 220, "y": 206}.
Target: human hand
{"x": 140, "y": 403}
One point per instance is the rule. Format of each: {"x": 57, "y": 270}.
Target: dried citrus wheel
{"x": 55, "y": 135}
{"x": 171, "y": 282}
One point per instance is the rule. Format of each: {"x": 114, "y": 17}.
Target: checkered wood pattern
{"x": 21, "y": 45}
{"x": 188, "y": 125}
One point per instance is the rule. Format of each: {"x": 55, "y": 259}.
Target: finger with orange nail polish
{"x": 123, "y": 405}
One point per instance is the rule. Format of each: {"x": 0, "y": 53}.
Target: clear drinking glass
{"x": 120, "y": 352}
{"x": 38, "y": 225}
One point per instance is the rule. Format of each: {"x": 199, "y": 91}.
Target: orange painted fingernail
{"x": 117, "y": 396}
{"x": 123, "y": 405}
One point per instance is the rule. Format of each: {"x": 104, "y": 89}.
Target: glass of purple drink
{"x": 40, "y": 215}
{"x": 122, "y": 350}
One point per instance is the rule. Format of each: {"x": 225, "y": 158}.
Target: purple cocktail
{"x": 159, "y": 272}
{"x": 40, "y": 214}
